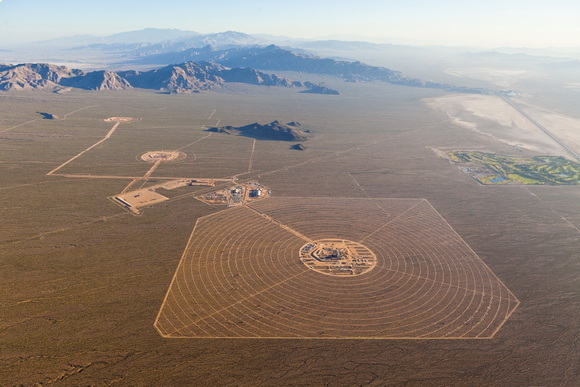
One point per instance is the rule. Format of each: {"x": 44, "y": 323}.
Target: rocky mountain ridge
{"x": 161, "y": 47}
{"x": 275, "y": 58}
{"x": 97, "y": 80}
{"x": 34, "y": 76}
{"x": 188, "y": 77}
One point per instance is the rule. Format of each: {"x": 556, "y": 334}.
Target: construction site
{"x": 338, "y": 257}
{"x": 237, "y": 195}
{"x": 135, "y": 200}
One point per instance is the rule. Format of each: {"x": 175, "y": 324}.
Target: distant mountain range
{"x": 151, "y": 41}
{"x": 145, "y": 36}
{"x": 141, "y": 48}
{"x": 189, "y": 77}
{"x": 152, "y": 48}
{"x": 275, "y": 58}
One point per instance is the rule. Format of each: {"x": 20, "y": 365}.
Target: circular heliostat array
{"x": 155, "y": 156}
{"x": 337, "y": 257}
{"x": 245, "y": 274}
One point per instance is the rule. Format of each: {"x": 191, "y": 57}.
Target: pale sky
{"x": 481, "y": 23}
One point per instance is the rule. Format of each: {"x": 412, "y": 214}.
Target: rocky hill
{"x": 275, "y": 130}
{"x": 189, "y": 77}
{"x": 31, "y": 76}
{"x": 97, "y": 80}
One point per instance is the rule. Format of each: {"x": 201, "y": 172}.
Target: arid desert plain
{"x": 140, "y": 249}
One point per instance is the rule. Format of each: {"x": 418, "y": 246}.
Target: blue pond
{"x": 498, "y": 179}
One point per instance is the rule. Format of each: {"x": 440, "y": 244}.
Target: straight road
{"x": 107, "y": 136}
{"x": 543, "y": 129}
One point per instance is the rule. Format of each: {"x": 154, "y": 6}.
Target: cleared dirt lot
{"x": 140, "y": 198}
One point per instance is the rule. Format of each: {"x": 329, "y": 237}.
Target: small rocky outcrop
{"x": 49, "y": 116}
{"x": 313, "y": 88}
{"x": 299, "y": 146}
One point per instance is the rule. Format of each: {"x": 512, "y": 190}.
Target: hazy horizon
{"x": 491, "y": 24}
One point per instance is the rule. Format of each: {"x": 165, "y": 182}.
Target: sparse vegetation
{"x": 79, "y": 268}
